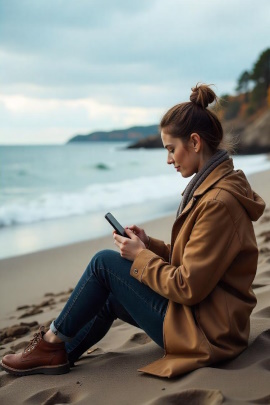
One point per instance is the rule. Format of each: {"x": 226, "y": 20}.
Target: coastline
{"x": 53, "y": 217}
{"x": 41, "y": 281}
{"x": 35, "y": 237}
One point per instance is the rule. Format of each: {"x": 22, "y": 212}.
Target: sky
{"x": 71, "y": 67}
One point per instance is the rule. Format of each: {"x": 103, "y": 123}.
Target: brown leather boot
{"x": 39, "y": 357}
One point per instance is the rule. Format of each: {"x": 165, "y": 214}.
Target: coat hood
{"x": 236, "y": 183}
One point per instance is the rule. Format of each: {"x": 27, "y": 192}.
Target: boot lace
{"x": 33, "y": 342}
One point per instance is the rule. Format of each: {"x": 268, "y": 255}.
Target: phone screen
{"x": 115, "y": 224}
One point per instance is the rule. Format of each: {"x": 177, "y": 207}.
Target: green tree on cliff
{"x": 261, "y": 76}
{"x": 261, "y": 70}
{"x": 243, "y": 84}
{"x": 254, "y": 85}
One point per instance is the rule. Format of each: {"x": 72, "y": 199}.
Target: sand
{"x": 33, "y": 290}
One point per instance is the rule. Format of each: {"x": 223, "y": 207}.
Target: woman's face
{"x": 184, "y": 157}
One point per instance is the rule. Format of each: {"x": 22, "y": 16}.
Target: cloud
{"x": 132, "y": 56}
{"x": 58, "y": 43}
{"x": 74, "y": 116}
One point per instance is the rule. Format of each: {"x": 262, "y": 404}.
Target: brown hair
{"x": 194, "y": 116}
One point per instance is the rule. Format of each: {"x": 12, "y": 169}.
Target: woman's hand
{"x": 129, "y": 248}
{"x": 140, "y": 233}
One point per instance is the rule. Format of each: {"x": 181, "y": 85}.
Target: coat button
{"x": 136, "y": 271}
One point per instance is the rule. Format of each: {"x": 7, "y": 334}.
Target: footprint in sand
{"x": 262, "y": 313}
{"x": 19, "y": 346}
{"x": 191, "y": 397}
{"x": 140, "y": 339}
{"x": 265, "y": 218}
{"x": 265, "y": 235}
{"x": 264, "y": 277}
{"x": 6, "y": 379}
{"x": 264, "y": 250}
{"x": 48, "y": 397}
{"x": 52, "y": 397}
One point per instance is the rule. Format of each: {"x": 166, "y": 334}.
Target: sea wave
{"x": 94, "y": 198}
{"x": 21, "y": 208}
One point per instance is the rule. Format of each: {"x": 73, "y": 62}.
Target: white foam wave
{"x": 107, "y": 196}
{"x": 94, "y": 198}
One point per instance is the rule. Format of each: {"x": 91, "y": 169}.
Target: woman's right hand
{"x": 140, "y": 233}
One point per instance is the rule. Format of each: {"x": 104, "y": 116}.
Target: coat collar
{"x": 218, "y": 173}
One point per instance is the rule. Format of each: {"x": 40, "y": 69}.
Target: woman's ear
{"x": 196, "y": 141}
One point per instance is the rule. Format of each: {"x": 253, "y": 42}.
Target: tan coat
{"x": 206, "y": 273}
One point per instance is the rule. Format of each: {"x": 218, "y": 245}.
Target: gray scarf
{"x": 219, "y": 157}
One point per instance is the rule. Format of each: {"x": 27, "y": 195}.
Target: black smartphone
{"x": 115, "y": 224}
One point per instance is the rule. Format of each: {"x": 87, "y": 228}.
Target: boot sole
{"x": 49, "y": 370}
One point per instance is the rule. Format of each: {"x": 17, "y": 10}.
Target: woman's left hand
{"x": 129, "y": 248}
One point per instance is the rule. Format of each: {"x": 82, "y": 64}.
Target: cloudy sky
{"x": 71, "y": 67}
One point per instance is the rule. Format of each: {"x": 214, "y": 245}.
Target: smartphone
{"x": 115, "y": 224}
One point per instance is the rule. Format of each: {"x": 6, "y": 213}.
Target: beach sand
{"x": 33, "y": 290}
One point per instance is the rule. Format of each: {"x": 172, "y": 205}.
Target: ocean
{"x": 58, "y": 194}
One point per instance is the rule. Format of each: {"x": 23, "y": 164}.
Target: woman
{"x": 193, "y": 297}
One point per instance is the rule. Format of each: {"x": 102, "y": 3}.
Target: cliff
{"x": 255, "y": 137}
{"x": 118, "y": 135}
{"x": 252, "y": 137}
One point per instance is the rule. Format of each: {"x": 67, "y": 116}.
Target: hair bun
{"x": 202, "y": 95}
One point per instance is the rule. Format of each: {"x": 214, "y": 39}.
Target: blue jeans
{"x": 105, "y": 292}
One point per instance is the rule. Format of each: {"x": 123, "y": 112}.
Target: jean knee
{"x": 101, "y": 260}
{"x": 104, "y": 257}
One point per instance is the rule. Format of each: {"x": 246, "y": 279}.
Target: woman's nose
{"x": 169, "y": 160}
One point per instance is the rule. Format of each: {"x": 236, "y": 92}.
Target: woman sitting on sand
{"x": 193, "y": 297}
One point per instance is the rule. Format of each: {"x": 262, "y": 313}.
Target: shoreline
{"x": 51, "y": 234}
{"x": 22, "y": 240}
